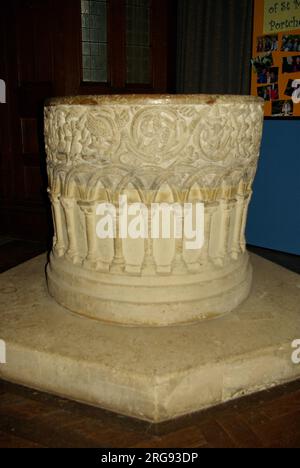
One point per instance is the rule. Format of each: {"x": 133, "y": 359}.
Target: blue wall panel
{"x": 274, "y": 212}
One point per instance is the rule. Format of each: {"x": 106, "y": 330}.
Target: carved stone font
{"x": 153, "y": 149}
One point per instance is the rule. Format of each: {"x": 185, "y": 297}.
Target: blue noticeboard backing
{"x": 274, "y": 212}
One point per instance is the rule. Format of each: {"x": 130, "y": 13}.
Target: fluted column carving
{"x": 148, "y": 263}
{"x": 118, "y": 264}
{"x": 92, "y": 260}
{"x": 58, "y": 241}
{"x": 69, "y": 205}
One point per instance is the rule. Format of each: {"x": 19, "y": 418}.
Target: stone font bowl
{"x": 195, "y": 149}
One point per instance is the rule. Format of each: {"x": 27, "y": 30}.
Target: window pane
{"x": 94, "y": 40}
{"x": 138, "y": 47}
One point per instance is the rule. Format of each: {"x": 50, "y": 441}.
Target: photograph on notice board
{"x": 262, "y": 62}
{"x": 291, "y": 43}
{"x": 282, "y": 108}
{"x": 267, "y": 43}
{"x": 268, "y": 93}
{"x": 291, "y": 64}
{"x": 268, "y": 75}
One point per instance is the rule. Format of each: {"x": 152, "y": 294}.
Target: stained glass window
{"x": 138, "y": 42}
{"x": 94, "y": 40}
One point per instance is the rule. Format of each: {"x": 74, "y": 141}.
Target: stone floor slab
{"x": 150, "y": 373}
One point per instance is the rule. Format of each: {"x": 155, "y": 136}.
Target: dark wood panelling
{"x": 40, "y": 51}
{"x": 6, "y": 152}
{"x": 29, "y": 131}
{"x": 32, "y": 183}
{"x": 28, "y": 47}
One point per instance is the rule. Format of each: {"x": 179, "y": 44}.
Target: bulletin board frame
{"x": 276, "y": 58}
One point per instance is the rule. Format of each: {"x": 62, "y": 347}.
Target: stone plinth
{"x": 153, "y": 149}
{"x": 151, "y": 373}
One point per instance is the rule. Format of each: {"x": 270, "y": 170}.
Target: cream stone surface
{"x": 152, "y": 373}
{"x": 160, "y": 148}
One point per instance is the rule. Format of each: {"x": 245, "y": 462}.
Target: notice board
{"x": 276, "y": 57}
